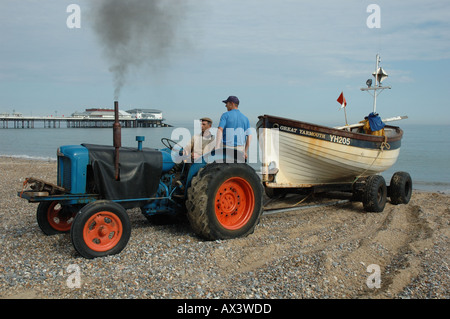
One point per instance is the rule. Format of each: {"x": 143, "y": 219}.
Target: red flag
{"x": 341, "y": 100}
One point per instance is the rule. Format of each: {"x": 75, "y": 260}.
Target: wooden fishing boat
{"x": 300, "y": 154}
{"x": 297, "y": 154}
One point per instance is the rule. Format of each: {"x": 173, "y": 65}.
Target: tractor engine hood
{"x": 140, "y": 171}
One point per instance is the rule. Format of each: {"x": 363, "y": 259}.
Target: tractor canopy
{"x": 140, "y": 171}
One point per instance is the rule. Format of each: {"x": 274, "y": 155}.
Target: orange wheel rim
{"x": 57, "y": 219}
{"x": 234, "y": 203}
{"x": 102, "y": 231}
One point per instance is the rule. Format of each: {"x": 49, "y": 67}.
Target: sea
{"x": 424, "y": 154}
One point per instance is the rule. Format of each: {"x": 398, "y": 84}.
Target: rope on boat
{"x": 384, "y": 145}
{"x": 301, "y": 201}
{"x": 290, "y": 206}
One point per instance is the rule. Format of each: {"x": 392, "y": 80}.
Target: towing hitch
{"x": 39, "y": 187}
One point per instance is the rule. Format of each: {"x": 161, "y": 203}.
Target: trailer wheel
{"x": 100, "y": 228}
{"x": 53, "y": 218}
{"x": 374, "y": 194}
{"x": 400, "y": 189}
{"x": 224, "y": 201}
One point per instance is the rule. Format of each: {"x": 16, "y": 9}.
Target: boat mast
{"x": 379, "y": 75}
{"x": 376, "y": 85}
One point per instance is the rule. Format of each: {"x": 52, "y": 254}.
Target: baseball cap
{"x": 232, "y": 99}
{"x": 206, "y": 119}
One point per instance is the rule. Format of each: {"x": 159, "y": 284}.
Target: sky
{"x": 288, "y": 58}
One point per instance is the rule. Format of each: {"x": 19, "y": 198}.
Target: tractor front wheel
{"x": 100, "y": 228}
{"x": 225, "y": 201}
{"x": 53, "y": 218}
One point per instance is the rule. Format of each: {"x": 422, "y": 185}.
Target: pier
{"x": 18, "y": 122}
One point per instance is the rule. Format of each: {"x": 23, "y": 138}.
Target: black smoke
{"x": 135, "y": 34}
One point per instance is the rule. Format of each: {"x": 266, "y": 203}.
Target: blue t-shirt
{"x": 236, "y": 127}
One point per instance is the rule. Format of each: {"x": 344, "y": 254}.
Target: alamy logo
{"x": 74, "y": 279}
{"x": 374, "y": 19}
{"x": 74, "y": 19}
{"x": 182, "y": 137}
{"x": 374, "y": 279}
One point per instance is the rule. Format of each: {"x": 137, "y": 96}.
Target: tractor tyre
{"x": 53, "y": 218}
{"x": 400, "y": 189}
{"x": 224, "y": 201}
{"x": 100, "y": 228}
{"x": 375, "y": 194}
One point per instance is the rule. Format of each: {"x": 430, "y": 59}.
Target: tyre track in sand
{"x": 343, "y": 242}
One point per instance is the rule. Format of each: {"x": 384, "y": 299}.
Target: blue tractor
{"x": 220, "y": 196}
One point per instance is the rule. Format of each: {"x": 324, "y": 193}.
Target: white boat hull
{"x": 316, "y": 157}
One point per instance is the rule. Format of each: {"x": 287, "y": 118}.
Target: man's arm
{"x": 247, "y": 145}
{"x": 189, "y": 147}
{"x": 219, "y": 137}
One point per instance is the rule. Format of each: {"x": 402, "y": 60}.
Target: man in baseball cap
{"x": 234, "y": 128}
{"x": 232, "y": 99}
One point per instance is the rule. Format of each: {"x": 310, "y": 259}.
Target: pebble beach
{"x": 326, "y": 252}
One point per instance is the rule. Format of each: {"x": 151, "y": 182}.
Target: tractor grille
{"x": 66, "y": 173}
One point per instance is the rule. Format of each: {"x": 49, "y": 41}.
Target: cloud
{"x": 326, "y": 38}
{"x": 272, "y": 50}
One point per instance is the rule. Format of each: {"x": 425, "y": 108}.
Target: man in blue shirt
{"x": 234, "y": 128}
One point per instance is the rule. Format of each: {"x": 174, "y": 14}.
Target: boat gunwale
{"x": 330, "y": 130}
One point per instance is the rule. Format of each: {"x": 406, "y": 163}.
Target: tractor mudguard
{"x": 224, "y": 155}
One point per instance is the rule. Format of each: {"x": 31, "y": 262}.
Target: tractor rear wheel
{"x": 224, "y": 201}
{"x": 100, "y": 228}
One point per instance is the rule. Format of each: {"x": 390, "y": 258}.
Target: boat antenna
{"x": 379, "y": 75}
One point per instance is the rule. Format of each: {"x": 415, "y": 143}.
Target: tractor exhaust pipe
{"x": 117, "y": 139}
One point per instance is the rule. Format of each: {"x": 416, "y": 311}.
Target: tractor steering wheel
{"x": 170, "y": 144}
